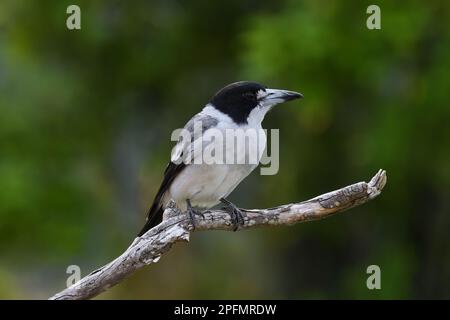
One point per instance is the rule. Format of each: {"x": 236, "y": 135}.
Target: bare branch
{"x": 176, "y": 227}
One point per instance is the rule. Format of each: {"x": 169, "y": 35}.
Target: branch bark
{"x": 177, "y": 227}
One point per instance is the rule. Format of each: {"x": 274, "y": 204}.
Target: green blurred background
{"x": 86, "y": 118}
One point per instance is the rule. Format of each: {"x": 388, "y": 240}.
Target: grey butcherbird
{"x": 240, "y": 105}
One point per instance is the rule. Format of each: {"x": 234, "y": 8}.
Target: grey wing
{"x": 184, "y": 149}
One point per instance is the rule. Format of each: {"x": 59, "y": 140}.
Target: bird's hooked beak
{"x": 271, "y": 97}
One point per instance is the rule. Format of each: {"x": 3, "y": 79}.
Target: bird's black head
{"x": 238, "y": 99}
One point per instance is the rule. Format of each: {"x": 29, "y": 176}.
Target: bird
{"x": 196, "y": 186}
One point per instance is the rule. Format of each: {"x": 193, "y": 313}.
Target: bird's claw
{"x": 236, "y": 215}
{"x": 192, "y": 212}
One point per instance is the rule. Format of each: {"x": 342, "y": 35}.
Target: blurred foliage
{"x": 86, "y": 118}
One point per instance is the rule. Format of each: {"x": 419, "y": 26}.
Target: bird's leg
{"x": 192, "y": 212}
{"x": 237, "y": 216}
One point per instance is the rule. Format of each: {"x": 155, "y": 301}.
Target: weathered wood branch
{"x": 176, "y": 227}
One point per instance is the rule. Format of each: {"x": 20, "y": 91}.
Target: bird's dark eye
{"x": 249, "y": 95}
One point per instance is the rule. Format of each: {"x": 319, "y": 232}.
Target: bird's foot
{"x": 192, "y": 212}
{"x": 236, "y": 214}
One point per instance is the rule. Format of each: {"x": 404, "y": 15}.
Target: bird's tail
{"x": 154, "y": 217}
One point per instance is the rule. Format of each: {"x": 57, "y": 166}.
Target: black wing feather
{"x": 154, "y": 215}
